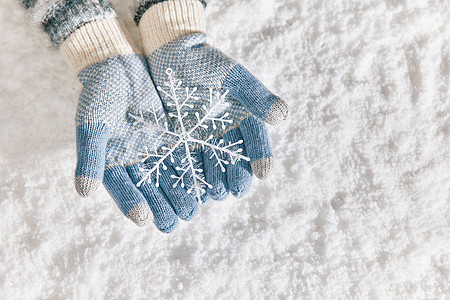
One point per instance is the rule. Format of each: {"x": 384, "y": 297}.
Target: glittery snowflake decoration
{"x": 191, "y": 132}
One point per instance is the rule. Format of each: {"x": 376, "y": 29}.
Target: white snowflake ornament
{"x": 189, "y": 134}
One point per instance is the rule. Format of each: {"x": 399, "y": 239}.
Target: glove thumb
{"x": 91, "y": 151}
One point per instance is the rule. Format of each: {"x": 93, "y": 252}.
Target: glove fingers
{"x": 239, "y": 174}
{"x": 216, "y": 175}
{"x": 128, "y": 198}
{"x": 165, "y": 218}
{"x": 246, "y": 88}
{"x": 91, "y": 147}
{"x": 257, "y": 146}
{"x": 184, "y": 204}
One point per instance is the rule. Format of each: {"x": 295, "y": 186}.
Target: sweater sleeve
{"x": 141, "y": 6}
{"x": 60, "y": 18}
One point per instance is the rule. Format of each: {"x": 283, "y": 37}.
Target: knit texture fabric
{"x": 60, "y": 18}
{"x": 112, "y": 90}
{"x": 95, "y": 42}
{"x": 170, "y": 20}
{"x": 141, "y": 6}
{"x": 116, "y": 88}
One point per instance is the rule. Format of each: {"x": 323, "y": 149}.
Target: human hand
{"x": 173, "y": 39}
{"x": 116, "y": 86}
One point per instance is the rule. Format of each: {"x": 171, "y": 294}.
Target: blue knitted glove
{"x": 117, "y": 92}
{"x": 176, "y": 48}
{"x": 117, "y": 88}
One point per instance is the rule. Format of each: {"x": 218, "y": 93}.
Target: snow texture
{"x": 357, "y": 205}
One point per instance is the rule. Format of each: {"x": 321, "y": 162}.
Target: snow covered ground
{"x": 358, "y": 204}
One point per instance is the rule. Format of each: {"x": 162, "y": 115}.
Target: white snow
{"x": 358, "y": 204}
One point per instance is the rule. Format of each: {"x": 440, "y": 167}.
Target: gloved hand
{"x": 172, "y": 34}
{"x": 117, "y": 88}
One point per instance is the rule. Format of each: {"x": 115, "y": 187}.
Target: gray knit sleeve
{"x": 143, "y": 5}
{"x": 60, "y": 18}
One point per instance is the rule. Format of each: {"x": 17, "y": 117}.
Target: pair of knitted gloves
{"x": 166, "y": 130}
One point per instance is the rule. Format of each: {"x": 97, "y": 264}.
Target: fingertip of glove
{"x": 85, "y": 186}
{"x": 140, "y": 214}
{"x": 218, "y": 192}
{"x": 262, "y": 167}
{"x": 239, "y": 192}
{"x": 241, "y": 189}
{"x": 188, "y": 214}
{"x": 278, "y": 113}
{"x": 169, "y": 226}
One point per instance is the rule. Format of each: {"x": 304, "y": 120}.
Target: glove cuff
{"x": 95, "y": 42}
{"x": 167, "y": 21}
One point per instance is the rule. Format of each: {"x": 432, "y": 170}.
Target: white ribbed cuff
{"x": 169, "y": 20}
{"x": 95, "y": 42}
